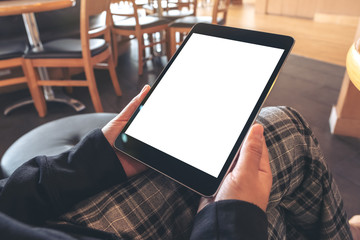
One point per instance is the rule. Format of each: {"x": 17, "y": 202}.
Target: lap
{"x": 150, "y": 206}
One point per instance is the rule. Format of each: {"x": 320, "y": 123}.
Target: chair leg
{"x": 140, "y": 53}
{"x": 115, "y": 48}
{"x": 94, "y": 93}
{"x": 35, "y": 90}
{"x": 151, "y": 40}
{"x": 172, "y": 41}
{"x": 144, "y": 44}
{"x": 113, "y": 76}
{"x": 66, "y": 75}
{"x": 168, "y": 44}
{"x": 182, "y": 36}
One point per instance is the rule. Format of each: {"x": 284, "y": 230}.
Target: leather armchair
{"x": 51, "y": 138}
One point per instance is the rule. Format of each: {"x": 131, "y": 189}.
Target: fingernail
{"x": 258, "y": 131}
{"x": 144, "y": 88}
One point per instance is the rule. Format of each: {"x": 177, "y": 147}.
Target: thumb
{"x": 114, "y": 127}
{"x": 129, "y": 110}
{"x": 251, "y": 151}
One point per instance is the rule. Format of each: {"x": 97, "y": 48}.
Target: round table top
{"x": 15, "y": 7}
{"x": 357, "y": 45}
{"x": 353, "y": 64}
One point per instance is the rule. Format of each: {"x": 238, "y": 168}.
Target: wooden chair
{"x": 93, "y": 49}
{"x": 126, "y": 22}
{"x": 152, "y": 8}
{"x": 184, "y": 25}
{"x": 173, "y": 9}
{"x": 11, "y": 56}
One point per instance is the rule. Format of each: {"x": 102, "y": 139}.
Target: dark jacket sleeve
{"x": 46, "y": 187}
{"x": 230, "y": 219}
{"x": 11, "y": 229}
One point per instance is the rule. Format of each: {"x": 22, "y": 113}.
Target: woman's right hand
{"x": 251, "y": 178}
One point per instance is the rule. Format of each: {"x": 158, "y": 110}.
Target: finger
{"x": 251, "y": 151}
{"x": 114, "y": 127}
{"x": 265, "y": 174}
{"x": 129, "y": 110}
{"x": 264, "y": 162}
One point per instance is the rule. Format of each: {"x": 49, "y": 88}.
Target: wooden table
{"x": 16, "y": 7}
{"x": 353, "y": 64}
{"x": 345, "y": 116}
{"x": 27, "y": 8}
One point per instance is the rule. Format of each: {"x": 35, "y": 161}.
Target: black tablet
{"x": 191, "y": 124}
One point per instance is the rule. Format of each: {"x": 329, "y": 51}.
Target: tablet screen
{"x": 201, "y": 105}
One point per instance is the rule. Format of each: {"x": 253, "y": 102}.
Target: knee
{"x": 279, "y": 118}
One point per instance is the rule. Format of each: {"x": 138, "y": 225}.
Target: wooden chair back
{"x": 126, "y": 8}
{"x": 95, "y": 7}
{"x": 220, "y": 7}
{"x": 173, "y": 4}
{"x": 91, "y": 9}
{"x": 189, "y": 4}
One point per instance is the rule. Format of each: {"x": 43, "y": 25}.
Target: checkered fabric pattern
{"x": 304, "y": 202}
{"x": 148, "y": 206}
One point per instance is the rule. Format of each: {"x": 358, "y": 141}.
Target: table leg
{"x": 35, "y": 42}
{"x": 345, "y": 116}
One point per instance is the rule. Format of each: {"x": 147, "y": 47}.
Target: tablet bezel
{"x": 176, "y": 169}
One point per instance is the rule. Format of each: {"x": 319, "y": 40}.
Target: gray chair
{"x": 51, "y": 138}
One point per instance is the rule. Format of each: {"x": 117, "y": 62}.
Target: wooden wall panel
{"x": 261, "y": 6}
{"x": 294, "y": 8}
{"x": 339, "y": 7}
{"x": 274, "y": 7}
{"x": 290, "y": 7}
{"x": 307, "y": 8}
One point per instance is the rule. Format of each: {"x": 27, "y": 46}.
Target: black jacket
{"x": 46, "y": 187}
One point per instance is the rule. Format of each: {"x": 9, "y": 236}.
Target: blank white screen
{"x": 198, "y": 110}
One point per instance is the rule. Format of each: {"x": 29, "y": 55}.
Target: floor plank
{"x": 326, "y": 42}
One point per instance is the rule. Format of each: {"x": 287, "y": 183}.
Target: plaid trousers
{"x": 304, "y": 203}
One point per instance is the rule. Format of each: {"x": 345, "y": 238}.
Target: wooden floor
{"x": 322, "y": 41}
